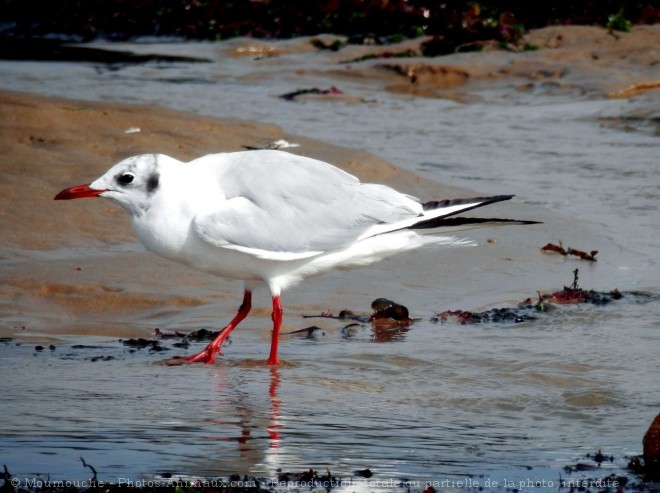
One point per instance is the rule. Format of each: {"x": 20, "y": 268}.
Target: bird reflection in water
{"x": 238, "y": 406}
{"x": 276, "y": 423}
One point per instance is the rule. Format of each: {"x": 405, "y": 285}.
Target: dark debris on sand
{"x": 586, "y": 475}
{"x": 639, "y": 473}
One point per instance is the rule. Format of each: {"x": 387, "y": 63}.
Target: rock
{"x": 651, "y": 443}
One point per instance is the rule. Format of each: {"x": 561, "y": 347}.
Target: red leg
{"x": 208, "y": 354}
{"x": 277, "y": 325}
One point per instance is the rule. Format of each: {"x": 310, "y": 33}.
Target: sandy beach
{"x": 49, "y": 143}
{"x": 564, "y": 127}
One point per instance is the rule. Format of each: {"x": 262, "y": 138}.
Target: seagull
{"x": 271, "y": 217}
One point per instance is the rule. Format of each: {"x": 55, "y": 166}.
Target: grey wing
{"x": 306, "y": 208}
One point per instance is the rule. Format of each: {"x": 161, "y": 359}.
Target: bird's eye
{"x": 126, "y": 178}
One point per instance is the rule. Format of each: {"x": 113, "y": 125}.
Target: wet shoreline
{"x": 437, "y": 400}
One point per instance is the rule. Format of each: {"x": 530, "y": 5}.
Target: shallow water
{"x": 438, "y": 402}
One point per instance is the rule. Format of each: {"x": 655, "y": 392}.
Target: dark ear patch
{"x": 152, "y": 183}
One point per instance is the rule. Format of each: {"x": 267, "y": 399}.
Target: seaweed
{"x": 307, "y": 332}
{"x": 389, "y": 321}
{"x": 388, "y": 314}
{"x": 309, "y": 478}
{"x": 142, "y": 343}
{"x": 454, "y": 24}
{"x": 385, "y": 309}
{"x": 495, "y": 315}
{"x": 528, "y": 309}
{"x": 91, "y": 468}
{"x": 409, "y": 53}
{"x": 552, "y": 248}
{"x": 384, "y": 312}
{"x": 342, "y": 315}
{"x": 291, "y": 96}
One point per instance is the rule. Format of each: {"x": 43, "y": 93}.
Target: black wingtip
{"x": 453, "y": 222}
{"x": 437, "y": 204}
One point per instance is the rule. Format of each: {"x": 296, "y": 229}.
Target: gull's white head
{"x": 131, "y": 183}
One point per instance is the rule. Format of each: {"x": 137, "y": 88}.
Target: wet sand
{"x": 496, "y": 400}
{"x": 576, "y": 60}
{"x": 49, "y": 144}
{"x": 55, "y": 142}
{"x": 59, "y": 260}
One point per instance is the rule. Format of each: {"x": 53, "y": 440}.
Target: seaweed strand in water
{"x": 291, "y": 96}
{"x": 552, "y": 248}
{"x": 93, "y": 479}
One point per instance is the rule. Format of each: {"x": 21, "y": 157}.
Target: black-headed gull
{"x": 271, "y": 217}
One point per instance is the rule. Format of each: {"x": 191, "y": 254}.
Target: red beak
{"x": 78, "y": 192}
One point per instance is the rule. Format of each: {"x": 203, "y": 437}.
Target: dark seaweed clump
{"x": 527, "y": 309}
{"x": 452, "y": 22}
